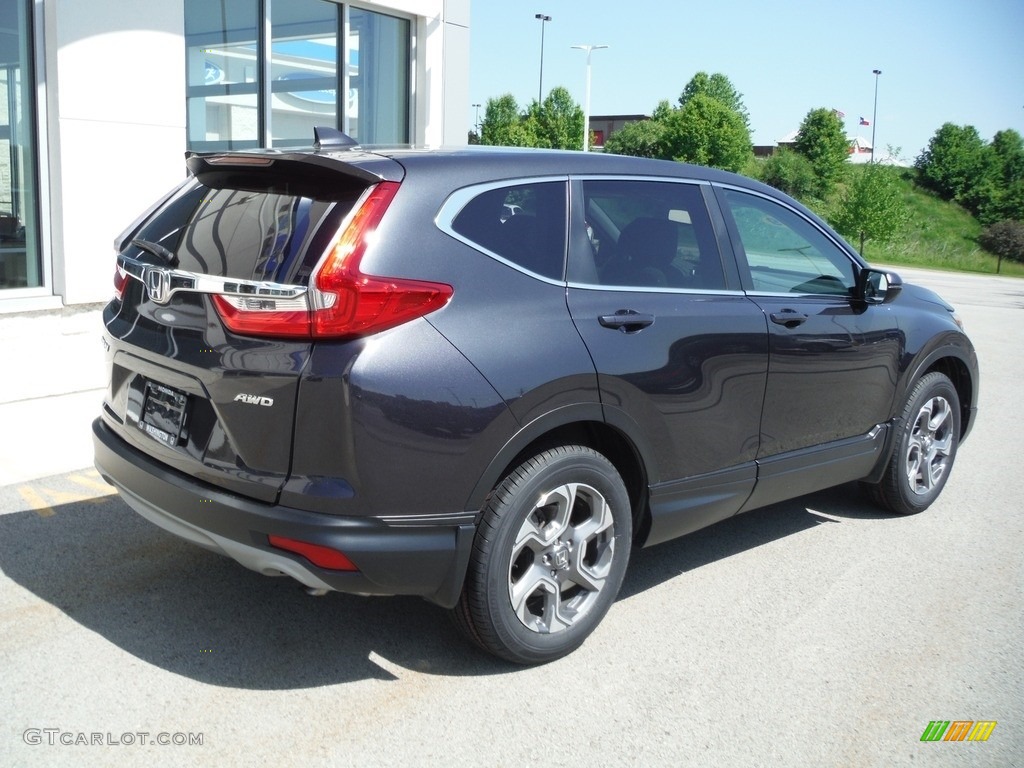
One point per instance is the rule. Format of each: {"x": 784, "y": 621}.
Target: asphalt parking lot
{"x": 813, "y": 633}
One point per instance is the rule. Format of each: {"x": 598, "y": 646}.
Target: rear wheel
{"x": 549, "y": 556}
{"x": 925, "y": 450}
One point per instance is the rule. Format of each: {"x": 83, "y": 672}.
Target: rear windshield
{"x": 244, "y": 233}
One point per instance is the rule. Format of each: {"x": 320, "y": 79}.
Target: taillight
{"x": 120, "y": 282}
{"x": 342, "y": 301}
{"x": 350, "y": 303}
{"x": 317, "y": 554}
{"x": 264, "y": 317}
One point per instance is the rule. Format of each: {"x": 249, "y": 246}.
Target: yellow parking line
{"x": 42, "y": 500}
{"x": 35, "y": 501}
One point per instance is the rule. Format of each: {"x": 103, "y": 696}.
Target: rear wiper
{"x": 157, "y": 250}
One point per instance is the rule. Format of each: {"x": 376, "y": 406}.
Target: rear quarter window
{"x": 524, "y": 225}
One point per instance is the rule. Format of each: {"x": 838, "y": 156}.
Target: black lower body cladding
{"x": 425, "y": 557}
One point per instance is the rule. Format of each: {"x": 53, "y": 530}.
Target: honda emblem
{"x": 158, "y": 284}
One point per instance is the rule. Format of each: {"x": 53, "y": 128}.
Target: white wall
{"x": 442, "y": 69}
{"x": 116, "y": 135}
{"x": 456, "y": 69}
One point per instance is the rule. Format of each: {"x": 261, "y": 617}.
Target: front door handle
{"x": 789, "y": 318}
{"x": 626, "y": 320}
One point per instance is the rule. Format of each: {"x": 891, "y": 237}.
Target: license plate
{"x": 163, "y": 413}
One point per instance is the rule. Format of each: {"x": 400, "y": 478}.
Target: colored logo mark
{"x": 958, "y": 730}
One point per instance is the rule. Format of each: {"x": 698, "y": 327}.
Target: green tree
{"x": 503, "y": 124}
{"x": 789, "y": 171}
{"x": 557, "y": 123}
{"x": 872, "y": 207}
{"x": 663, "y": 111}
{"x": 704, "y": 131}
{"x": 644, "y": 138}
{"x": 719, "y": 87}
{"x": 1005, "y": 204}
{"x": 1005, "y": 239}
{"x": 708, "y": 132}
{"x": 1008, "y": 147}
{"x": 822, "y": 140}
{"x": 956, "y": 165}
{"x": 1003, "y": 195}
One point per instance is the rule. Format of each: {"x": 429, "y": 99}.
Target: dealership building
{"x": 100, "y": 99}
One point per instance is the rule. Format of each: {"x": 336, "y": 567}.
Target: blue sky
{"x": 941, "y": 60}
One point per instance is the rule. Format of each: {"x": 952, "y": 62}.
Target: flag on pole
{"x": 865, "y": 121}
{"x": 839, "y": 113}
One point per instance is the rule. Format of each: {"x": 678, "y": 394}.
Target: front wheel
{"x": 549, "y": 556}
{"x": 925, "y": 449}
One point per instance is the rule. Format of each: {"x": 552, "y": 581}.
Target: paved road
{"x": 813, "y": 633}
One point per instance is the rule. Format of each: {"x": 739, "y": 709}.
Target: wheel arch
{"x": 956, "y": 359}
{"x": 957, "y": 364}
{"x": 576, "y": 425}
{"x": 956, "y": 370}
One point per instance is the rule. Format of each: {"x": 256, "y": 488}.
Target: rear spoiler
{"x": 334, "y": 153}
{"x": 225, "y": 169}
{"x": 337, "y": 169}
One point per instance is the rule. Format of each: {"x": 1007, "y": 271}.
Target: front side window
{"x": 523, "y": 224}
{"x": 784, "y": 252}
{"x": 651, "y": 234}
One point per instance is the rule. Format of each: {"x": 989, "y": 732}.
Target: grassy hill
{"x": 940, "y": 235}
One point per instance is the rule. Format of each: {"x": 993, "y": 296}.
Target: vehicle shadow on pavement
{"x": 202, "y": 616}
{"x": 650, "y": 567}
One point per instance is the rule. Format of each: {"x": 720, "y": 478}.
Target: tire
{"x": 549, "y": 556}
{"x": 925, "y": 448}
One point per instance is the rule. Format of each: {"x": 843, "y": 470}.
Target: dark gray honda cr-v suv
{"x": 483, "y": 376}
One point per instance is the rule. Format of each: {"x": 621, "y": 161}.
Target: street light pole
{"x": 476, "y": 120}
{"x": 540, "y": 88}
{"x": 586, "y": 98}
{"x": 874, "y": 114}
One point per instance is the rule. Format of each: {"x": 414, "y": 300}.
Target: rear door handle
{"x": 789, "y": 318}
{"x": 626, "y": 320}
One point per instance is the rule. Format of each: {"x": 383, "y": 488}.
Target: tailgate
{"x": 184, "y": 388}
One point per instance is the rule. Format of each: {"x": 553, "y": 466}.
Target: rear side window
{"x": 651, "y": 234}
{"x": 524, "y": 225}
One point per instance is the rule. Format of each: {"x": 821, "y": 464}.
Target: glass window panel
{"x": 524, "y": 224}
{"x": 651, "y": 234}
{"x": 786, "y": 253}
{"x": 20, "y": 265}
{"x": 377, "y": 111}
{"x": 227, "y": 63}
{"x": 222, "y": 50}
{"x": 304, "y": 70}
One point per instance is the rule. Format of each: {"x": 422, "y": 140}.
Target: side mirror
{"x": 876, "y": 286}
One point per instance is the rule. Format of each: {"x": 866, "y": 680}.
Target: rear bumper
{"x": 400, "y": 556}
